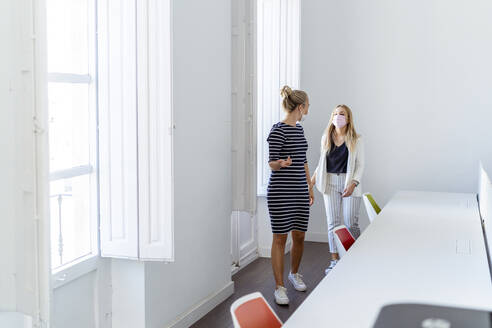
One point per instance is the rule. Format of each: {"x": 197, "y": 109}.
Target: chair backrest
{"x": 343, "y": 239}
{"x": 372, "y": 207}
{"x": 253, "y": 311}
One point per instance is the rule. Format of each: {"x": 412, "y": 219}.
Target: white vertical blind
{"x": 278, "y": 58}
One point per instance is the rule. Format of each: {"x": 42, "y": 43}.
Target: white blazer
{"x": 355, "y": 168}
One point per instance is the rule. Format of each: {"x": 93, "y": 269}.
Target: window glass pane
{"x": 70, "y": 205}
{"x": 69, "y": 125}
{"x": 67, "y": 28}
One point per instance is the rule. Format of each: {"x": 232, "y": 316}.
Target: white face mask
{"x": 339, "y": 121}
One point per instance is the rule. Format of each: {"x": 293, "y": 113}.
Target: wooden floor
{"x": 258, "y": 276}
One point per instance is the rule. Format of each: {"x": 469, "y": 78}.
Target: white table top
{"x": 487, "y": 165}
{"x": 423, "y": 248}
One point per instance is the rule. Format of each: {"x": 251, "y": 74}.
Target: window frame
{"x": 90, "y": 169}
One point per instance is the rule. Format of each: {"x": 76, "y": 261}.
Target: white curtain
{"x": 278, "y": 60}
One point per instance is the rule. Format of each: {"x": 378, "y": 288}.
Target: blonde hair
{"x": 350, "y": 137}
{"x": 292, "y": 98}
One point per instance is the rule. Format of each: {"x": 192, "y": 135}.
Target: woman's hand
{"x": 313, "y": 180}
{"x": 285, "y": 163}
{"x": 280, "y": 163}
{"x": 311, "y": 196}
{"x": 349, "y": 190}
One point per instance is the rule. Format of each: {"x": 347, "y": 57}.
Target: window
{"x": 110, "y": 154}
{"x": 72, "y": 109}
{"x": 278, "y": 58}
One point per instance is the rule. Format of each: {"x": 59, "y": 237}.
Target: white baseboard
{"x": 320, "y": 237}
{"x": 204, "y": 307}
{"x": 244, "y": 261}
{"x": 248, "y": 258}
{"x": 267, "y": 251}
{"x": 234, "y": 269}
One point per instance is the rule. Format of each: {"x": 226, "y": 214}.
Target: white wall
{"x": 202, "y": 149}
{"x": 128, "y": 281}
{"x": 15, "y": 320}
{"x": 73, "y": 304}
{"x": 417, "y": 75}
{"x": 82, "y": 294}
{"x": 7, "y": 167}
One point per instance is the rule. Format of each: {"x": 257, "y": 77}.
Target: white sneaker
{"x": 296, "y": 280}
{"x": 281, "y": 296}
{"x": 332, "y": 265}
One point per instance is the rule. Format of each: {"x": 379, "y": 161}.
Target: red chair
{"x": 253, "y": 311}
{"x": 343, "y": 239}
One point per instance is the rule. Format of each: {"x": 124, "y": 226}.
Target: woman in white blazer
{"x": 339, "y": 173}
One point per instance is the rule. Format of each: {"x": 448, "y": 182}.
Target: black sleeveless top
{"x": 337, "y": 158}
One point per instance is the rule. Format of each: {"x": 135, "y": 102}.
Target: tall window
{"x": 110, "y": 129}
{"x": 72, "y": 129}
{"x": 278, "y": 57}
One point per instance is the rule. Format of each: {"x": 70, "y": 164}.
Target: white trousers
{"x": 337, "y": 207}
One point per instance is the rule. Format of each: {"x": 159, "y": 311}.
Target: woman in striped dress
{"x": 290, "y": 191}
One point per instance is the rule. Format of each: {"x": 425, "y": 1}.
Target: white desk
{"x": 423, "y": 247}
{"x": 485, "y": 199}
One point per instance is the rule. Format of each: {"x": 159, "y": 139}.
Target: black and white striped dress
{"x": 288, "y": 192}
